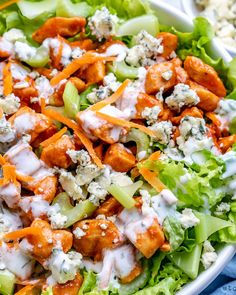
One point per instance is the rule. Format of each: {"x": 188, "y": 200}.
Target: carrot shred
{"x": 54, "y": 137}
{"x": 1, "y": 113}
{"x": 43, "y": 104}
{"x": 154, "y": 156}
{"x": 2, "y": 160}
{"x": 7, "y": 79}
{"x": 21, "y": 233}
{"x": 79, "y": 133}
{"x": 152, "y": 178}
{"x": 9, "y": 174}
{"x": 8, "y": 3}
{"x": 24, "y": 178}
{"x": 124, "y": 123}
{"x": 113, "y": 98}
{"x": 86, "y": 59}
{"x": 26, "y": 290}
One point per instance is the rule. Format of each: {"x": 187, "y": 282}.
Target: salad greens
{"x": 208, "y": 176}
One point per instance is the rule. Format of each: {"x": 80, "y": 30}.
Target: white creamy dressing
{"x": 16, "y": 262}
{"x": 118, "y": 50}
{"x": 36, "y": 205}
{"x": 19, "y": 72}
{"x": 6, "y": 46}
{"x": 163, "y": 209}
{"x": 24, "y": 123}
{"x": 90, "y": 121}
{"x": 117, "y": 262}
{"x": 230, "y": 163}
{"x": 9, "y": 221}
{"x": 134, "y": 222}
{"x": 127, "y": 102}
{"x": 226, "y": 112}
{"x": 91, "y": 265}
{"x": 10, "y": 193}
{"x": 26, "y": 162}
{"x": 45, "y": 90}
{"x": 54, "y": 44}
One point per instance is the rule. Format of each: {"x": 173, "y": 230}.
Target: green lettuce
{"x": 89, "y": 282}
{"x": 173, "y": 231}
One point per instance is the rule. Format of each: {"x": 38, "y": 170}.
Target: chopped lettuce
{"x": 173, "y": 232}
{"x": 166, "y": 286}
{"x": 89, "y": 282}
{"x": 188, "y": 262}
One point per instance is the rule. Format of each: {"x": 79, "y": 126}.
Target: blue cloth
{"x": 225, "y": 283}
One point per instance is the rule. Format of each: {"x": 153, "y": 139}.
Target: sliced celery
{"x": 66, "y": 8}
{"x": 124, "y": 194}
{"x": 7, "y": 282}
{"x": 133, "y": 26}
{"x": 232, "y": 126}
{"x": 33, "y": 9}
{"x": 122, "y": 71}
{"x": 40, "y": 59}
{"x": 71, "y": 100}
{"x": 141, "y": 139}
{"x": 80, "y": 211}
{"x": 208, "y": 225}
{"x": 60, "y": 110}
{"x": 188, "y": 262}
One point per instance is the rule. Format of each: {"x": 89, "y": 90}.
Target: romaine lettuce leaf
{"x": 166, "y": 286}
{"x": 89, "y": 282}
{"x": 173, "y": 231}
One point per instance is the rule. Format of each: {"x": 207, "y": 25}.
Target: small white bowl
{"x": 168, "y": 15}
{"x": 192, "y": 10}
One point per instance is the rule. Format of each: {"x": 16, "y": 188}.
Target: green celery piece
{"x": 122, "y": 71}
{"x": 232, "y": 126}
{"x": 48, "y": 291}
{"x": 124, "y": 194}
{"x": 74, "y": 214}
{"x": 188, "y": 262}
{"x": 133, "y": 26}
{"x": 208, "y": 225}
{"x": 40, "y": 59}
{"x": 71, "y": 100}
{"x": 7, "y": 282}
{"x": 66, "y": 8}
{"x": 33, "y": 9}
{"x": 141, "y": 139}
{"x": 60, "y": 110}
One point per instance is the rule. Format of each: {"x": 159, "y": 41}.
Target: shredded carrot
{"x": 2, "y": 160}
{"x": 59, "y": 54}
{"x": 7, "y": 79}
{"x": 124, "y": 123}
{"x": 86, "y": 59}
{"x": 53, "y": 138}
{"x": 9, "y": 174}
{"x": 8, "y": 3}
{"x": 21, "y": 233}
{"x": 26, "y": 290}
{"x": 152, "y": 178}
{"x": 1, "y": 113}
{"x": 43, "y": 104}
{"x": 213, "y": 118}
{"x": 79, "y": 133}
{"x": 24, "y": 178}
{"x": 116, "y": 95}
{"x": 154, "y": 156}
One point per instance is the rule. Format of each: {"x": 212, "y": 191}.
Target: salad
{"x": 117, "y": 142}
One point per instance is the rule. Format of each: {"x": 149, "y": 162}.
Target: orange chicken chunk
{"x": 204, "y": 75}
{"x": 119, "y": 158}
{"x": 63, "y": 26}
{"x": 55, "y": 154}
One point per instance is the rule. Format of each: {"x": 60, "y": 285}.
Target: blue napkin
{"x": 225, "y": 283}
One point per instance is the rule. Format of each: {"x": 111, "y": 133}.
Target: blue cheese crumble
{"x": 182, "y": 96}
{"x": 103, "y": 24}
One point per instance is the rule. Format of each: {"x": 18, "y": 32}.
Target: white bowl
{"x": 171, "y": 16}
{"x": 192, "y": 11}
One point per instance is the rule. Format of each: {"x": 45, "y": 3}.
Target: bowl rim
{"x": 228, "y": 251}
{"x": 187, "y": 9}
